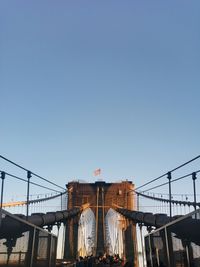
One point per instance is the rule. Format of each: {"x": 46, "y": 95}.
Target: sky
{"x": 99, "y": 84}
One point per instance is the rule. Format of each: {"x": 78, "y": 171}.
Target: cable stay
{"x": 26, "y": 181}
{"x": 161, "y": 176}
{"x": 32, "y": 173}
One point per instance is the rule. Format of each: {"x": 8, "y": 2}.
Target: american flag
{"x": 97, "y": 172}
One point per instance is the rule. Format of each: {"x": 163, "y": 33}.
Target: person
{"x": 129, "y": 263}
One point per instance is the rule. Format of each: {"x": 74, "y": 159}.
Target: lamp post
{"x": 169, "y": 177}
{"x": 2, "y": 190}
{"x": 28, "y": 189}
{"x": 194, "y": 177}
{"x": 2, "y": 187}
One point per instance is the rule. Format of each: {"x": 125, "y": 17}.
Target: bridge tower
{"x": 101, "y": 196}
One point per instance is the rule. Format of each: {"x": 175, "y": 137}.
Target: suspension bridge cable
{"x": 150, "y": 181}
{"x": 38, "y": 200}
{"x": 179, "y": 202}
{"x": 24, "y": 180}
{"x": 46, "y": 198}
{"x": 167, "y": 194}
{"x": 166, "y": 183}
{"x": 180, "y": 166}
{"x": 185, "y": 163}
{"x": 21, "y": 167}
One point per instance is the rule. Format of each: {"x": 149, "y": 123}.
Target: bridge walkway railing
{"x": 25, "y": 245}
{"x": 175, "y": 244}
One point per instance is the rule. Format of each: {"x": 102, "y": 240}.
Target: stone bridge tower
{"x": 102, "y": 196}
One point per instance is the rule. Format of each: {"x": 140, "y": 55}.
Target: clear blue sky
{"x": 99, "y": 84}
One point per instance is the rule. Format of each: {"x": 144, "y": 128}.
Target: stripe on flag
{"x": 97, "y": 172}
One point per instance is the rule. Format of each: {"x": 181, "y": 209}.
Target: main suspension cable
{"x": 25, "y": 169}
{"x": 161, "y": 176}
{"x": 24, "y": 180}
{"x": 174, "y": 180}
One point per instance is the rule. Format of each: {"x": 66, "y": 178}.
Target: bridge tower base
{"x": 101, "y": 196}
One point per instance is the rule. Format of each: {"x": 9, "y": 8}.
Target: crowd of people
{"x": 101, "y": 261}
